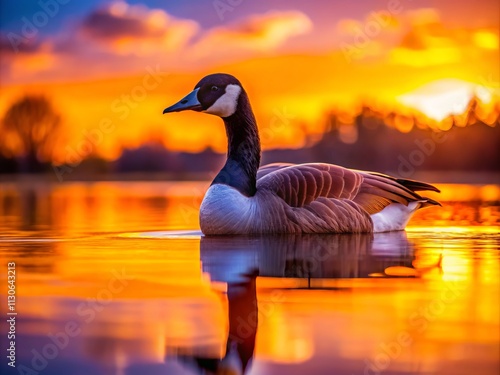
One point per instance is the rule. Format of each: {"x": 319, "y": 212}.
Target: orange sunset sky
{"x": 124, "y": 62}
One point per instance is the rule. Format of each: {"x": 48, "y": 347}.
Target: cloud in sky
{"x": 255, "y": 35}
{"x": 31, "y": 58}
{"x": 260, "y": 32}
{"x": 137, "y": 29}
{"x": 416, "y": 38}
{"x": 428, "y": 41}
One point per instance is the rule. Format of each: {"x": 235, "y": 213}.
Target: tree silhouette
{"x": 30, "y": 127}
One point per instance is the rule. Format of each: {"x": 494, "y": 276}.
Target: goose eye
{"x": 215, "y": 88}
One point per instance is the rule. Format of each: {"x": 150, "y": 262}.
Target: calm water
{"x": 114, "y": 278}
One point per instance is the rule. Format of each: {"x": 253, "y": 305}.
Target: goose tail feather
{"x": 417, "y": 185}
{"x": 426, "y": 202}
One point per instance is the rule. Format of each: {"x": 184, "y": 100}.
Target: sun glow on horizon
{"x": 442, "y": 98}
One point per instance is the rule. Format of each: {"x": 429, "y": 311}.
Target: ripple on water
{"x": 24, "y": 240}
{"x": 167, "y": 234}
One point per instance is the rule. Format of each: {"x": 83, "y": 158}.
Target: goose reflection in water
{"x": 307, "y": 255}
{"x": 243, "y": 321}
{"x": 238, "y": 261}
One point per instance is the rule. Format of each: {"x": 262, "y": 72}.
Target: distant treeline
{"x": 370, "y": 141}
{"x": 379, "y": 147}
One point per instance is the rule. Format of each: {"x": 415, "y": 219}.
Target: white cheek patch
{"x": 226, "y": 105}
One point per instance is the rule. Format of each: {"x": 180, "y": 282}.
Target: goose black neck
{"x": 243, "y": 153}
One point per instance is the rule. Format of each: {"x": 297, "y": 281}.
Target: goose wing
{"x": 302, "y": 184}
{"x": 268, "y": 168}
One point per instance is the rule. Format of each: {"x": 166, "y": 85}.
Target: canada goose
{"x": 287, "y": 198}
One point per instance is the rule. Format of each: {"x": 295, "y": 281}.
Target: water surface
{"x": 118, "y": 276}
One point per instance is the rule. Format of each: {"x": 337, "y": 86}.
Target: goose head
{"x": 222, "y": 95}
{"x": 216, "y": 94}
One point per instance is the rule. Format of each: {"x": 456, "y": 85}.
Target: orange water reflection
{"x": 424, "y": 301}
{"x": 71, "y": 209}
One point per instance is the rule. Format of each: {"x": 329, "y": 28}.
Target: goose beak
{"x": 190, "y": 101}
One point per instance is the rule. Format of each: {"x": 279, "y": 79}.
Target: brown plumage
{"x": 330, "y": 191}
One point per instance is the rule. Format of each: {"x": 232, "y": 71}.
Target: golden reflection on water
{"x": 422, "y": 301}
{"x": 71, "y": 209}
